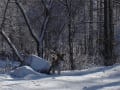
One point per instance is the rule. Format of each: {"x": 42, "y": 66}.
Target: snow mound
{"x": 24, "y": 71}
{"x": 5, "y": 77}
{"x": 38, "y": 64}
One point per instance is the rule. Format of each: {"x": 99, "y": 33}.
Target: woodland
{"x": 87, "y": 32}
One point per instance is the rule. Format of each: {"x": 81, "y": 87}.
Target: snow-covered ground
{"x": 101, "y": 78}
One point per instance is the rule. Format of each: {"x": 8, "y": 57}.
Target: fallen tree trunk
{"x": 6, "y": 37}
{"x": 12, "y": 46}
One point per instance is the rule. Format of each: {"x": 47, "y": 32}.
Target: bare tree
{"x": 68, "y": 6}
{"x": 38, "y": 39}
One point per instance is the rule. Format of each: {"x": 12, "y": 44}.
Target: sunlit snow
{"x": 100, "y": 78}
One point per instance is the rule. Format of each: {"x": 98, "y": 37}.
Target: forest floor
{"x": 99, "y": 78}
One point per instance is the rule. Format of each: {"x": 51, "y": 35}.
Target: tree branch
{"x": 6, "y": 37}
{"x": 46, "y": 19}
{"x": 27, "y": 22}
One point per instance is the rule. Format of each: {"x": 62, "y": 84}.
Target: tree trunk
{"x": 70, "y": 36}
{"x": 108, "y": 33}
{"x": 12, "y": 46}
{"x": 90, "y": 38}
{"x": 6, "y": 37}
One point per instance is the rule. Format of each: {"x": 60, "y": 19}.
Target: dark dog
{"x": 57, "y": 60}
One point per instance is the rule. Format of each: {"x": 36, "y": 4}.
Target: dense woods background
{"x": 86, "y": 31}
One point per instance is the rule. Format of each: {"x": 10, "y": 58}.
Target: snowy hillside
{"x": 102, "y": 78}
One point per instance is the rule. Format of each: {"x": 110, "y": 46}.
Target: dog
{"x": 56, "y": 63}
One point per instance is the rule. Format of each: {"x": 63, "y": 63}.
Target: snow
{"x": 7, "y": 65}
{"x": 24, "y": 71}
{"x": 98, "y": 78}
{"x": 37, "y": 63}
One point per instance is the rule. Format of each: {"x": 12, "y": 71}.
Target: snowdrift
{"x": 25, "y": 71}
{"x": 38, "y": 64}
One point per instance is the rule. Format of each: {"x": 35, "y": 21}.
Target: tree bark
{"x": 108, "y": 33}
